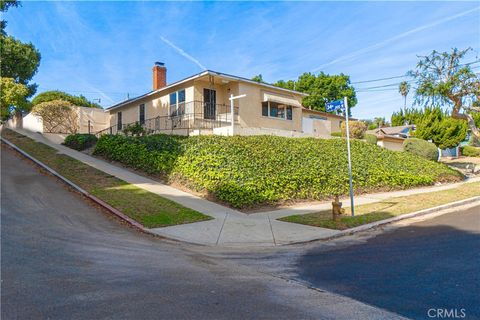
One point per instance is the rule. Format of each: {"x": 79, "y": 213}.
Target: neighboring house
{"x": 89, "y": 120}
{"x": 200, "y": 105}
{"x": 392, "y": 137}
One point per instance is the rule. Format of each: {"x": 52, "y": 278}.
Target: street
{"x": 64, "y": 259}
{"x": 430, "y": 264}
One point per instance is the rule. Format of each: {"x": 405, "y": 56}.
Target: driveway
{"x": 62, "y": 258}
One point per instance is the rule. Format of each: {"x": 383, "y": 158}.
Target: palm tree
{"x": 403, "y": 89}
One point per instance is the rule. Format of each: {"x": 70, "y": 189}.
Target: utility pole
{"x": 345, "y": 104}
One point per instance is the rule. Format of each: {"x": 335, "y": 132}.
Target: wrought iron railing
{"x": 183, "y": 118}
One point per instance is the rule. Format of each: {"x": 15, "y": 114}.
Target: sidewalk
{"x": 229, "y": 227}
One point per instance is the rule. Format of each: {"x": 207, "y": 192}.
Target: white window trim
{"x": 278, "y": 118}
{"x": 176, "y": 99}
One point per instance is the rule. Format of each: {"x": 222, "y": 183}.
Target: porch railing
{"x": 183, "y": 118}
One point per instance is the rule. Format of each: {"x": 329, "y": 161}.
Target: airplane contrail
{"x": 183, "y": 53}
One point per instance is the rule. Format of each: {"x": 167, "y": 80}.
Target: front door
{"x": 209, "y": 103}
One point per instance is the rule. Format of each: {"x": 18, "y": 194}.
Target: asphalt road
{"x": 430, "y": 264}
{"x": 62, "y": 258}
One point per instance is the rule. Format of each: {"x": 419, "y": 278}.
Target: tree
{"x": 258, "y": 78}
{"x": 407, "y": 116}
{"x": 403, "y": 89}
{"x": 322, "y": 88}
{"x": 58, "y": 116}
{"x": 442, "y": 77}
{"x": 80, "y": 100}
{"x": 12, "y": 97}
{"x": 380, "y": 122}
{"x": 443, "y": 130}
{"x": 19, "y": 61}
{"x": 4, "y": 6}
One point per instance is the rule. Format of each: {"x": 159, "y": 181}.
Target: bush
{"x": 469, "y": 151}
{"x": 357, "y": 129}
{"x": 58, "y": 116}
{"x": 336, "y": 134}
{"x": 421, "y": 148}
{"x": 371, "y": 138}
{"x": 245, "y": 171}
{"x": 80, "y": 141}
{"x": 134, "y": 129}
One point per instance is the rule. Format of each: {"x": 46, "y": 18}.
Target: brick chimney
{"x": 159, "y": 75}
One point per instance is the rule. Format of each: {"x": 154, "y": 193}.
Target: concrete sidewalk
{"x": 229, "y": 227}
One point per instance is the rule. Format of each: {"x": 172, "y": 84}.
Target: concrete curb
{"x": 80, "y": 190}
{"x": 376, "y": 224}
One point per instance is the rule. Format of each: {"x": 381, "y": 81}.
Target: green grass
{"x": 386, "y": 209}
{"x": 149, "y": 209}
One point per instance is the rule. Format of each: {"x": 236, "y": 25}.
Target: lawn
{"x": 148, "y": 208}
{"x": 386, "y": 209}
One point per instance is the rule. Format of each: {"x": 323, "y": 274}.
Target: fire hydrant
{"x": 337, "y": 209}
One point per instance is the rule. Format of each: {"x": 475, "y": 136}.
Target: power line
{"x": 403, "y": 76}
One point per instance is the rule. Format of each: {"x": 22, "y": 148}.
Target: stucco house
{"x": 392, "y": 138}
{"x": 200, "y": 104}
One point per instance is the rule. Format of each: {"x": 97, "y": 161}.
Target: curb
{"x": 376, "y": 224}
{"x": 103, "y": 204}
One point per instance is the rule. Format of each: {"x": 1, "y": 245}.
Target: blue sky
{"x": 106, "y": 49}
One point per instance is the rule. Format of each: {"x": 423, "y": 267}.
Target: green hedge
{"x": 371, "y": 138}
{"x": 421, "y": 148}
{"x": 245, "y": 171}
{"x": 469, "y": 151}
{"x": 80, "y": 141}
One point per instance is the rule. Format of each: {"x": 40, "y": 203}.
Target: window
{"x": 119, "y": 121}
{"x": 265, "y": 109}
{"x": 177, "y": 102}
{"x": 141, "y": 114}
{"x": 276, "y": 110}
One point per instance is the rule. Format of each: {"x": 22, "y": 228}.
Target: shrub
{"x": 371, "y": 138}
{"x": 80, "y": 141}
{"x": 134, "y": 129}
{"x": 336, "y": 134}
{"x": 58, "y": 116}
{"x": 357, "y": 129}
{"x": 421, "y": 148}
{"x": 245, "y": 171}
{"x": 469, "y": 151}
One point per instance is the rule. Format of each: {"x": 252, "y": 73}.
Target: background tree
{"x": 12, "y": 97}
{"x": 4, "y": 6}
{"x": 58, "y": 116}
{"x": 441, "y": 76}
{"x": 409, "y": 116}
{"x": 80, "y": 100}
{"x": 258, "y": 78}
{"x": 403, "y": 89}
{"x": 322, "y": 88}
{"x": 443, "y": 130}
{"x": 18, "y": 63}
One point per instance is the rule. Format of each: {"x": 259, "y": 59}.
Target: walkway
{"x": 229, "y": 227}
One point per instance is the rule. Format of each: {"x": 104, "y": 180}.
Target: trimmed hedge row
{"x": 80, "y": 141}
{"x": 245, "y": 171}
{"x": 469, "y": 151}
{"x": 421, "y": 148}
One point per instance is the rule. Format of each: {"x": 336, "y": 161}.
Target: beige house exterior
{"x": 200, "y": 105}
